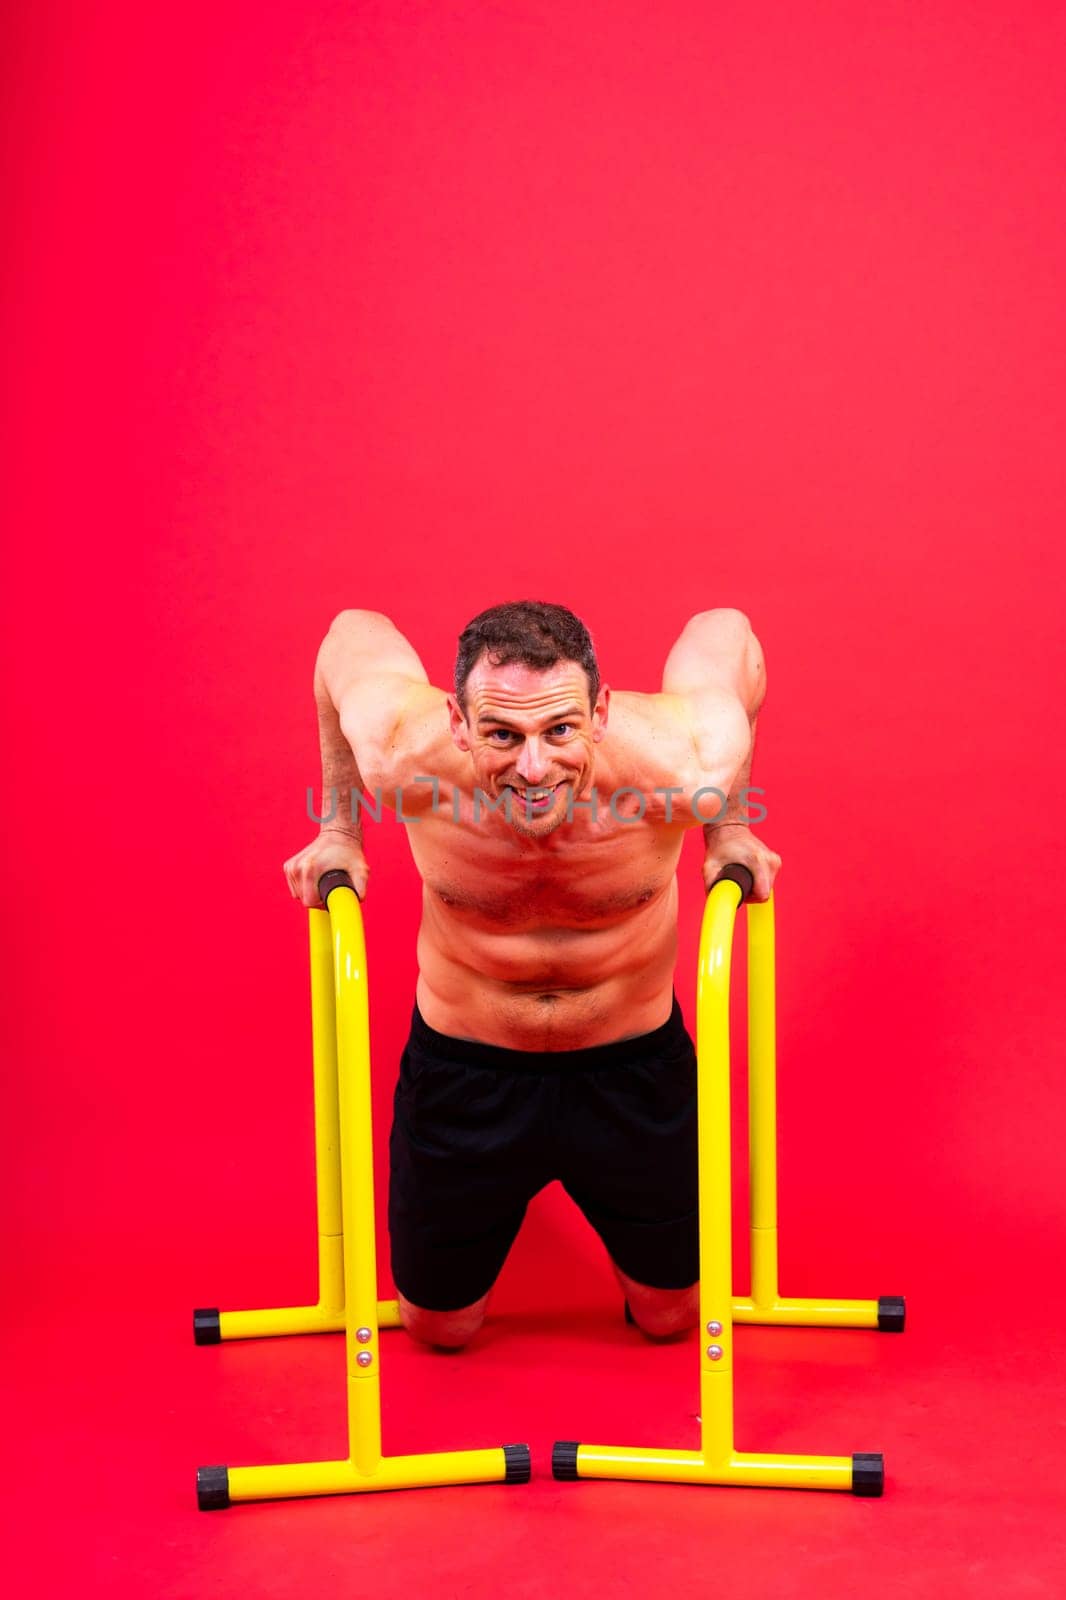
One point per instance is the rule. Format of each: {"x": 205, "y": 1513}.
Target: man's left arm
{"x": 718, "y": 668}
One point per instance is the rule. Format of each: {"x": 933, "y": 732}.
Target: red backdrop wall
{"x": 420, "y": 307}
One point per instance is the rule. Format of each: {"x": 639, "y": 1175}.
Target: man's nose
{"x": 532, "y": 764}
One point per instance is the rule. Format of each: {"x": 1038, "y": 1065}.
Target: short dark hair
{"x": 531, "y": 632}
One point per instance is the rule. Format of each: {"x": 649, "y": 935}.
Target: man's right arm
{"x": 364, "y": 673}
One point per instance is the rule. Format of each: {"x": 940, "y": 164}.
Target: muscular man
{"x": 546, "y": 817}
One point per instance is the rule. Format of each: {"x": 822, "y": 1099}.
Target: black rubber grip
{"x": 212, "y": 1488}
{"x": 739, "y": 875}
{"x": 564, "y": 1461}
{"x": 206, "y": 1327}
{"x": 891, "y": 1313}
{"x": 868, "y": 1475}
{"x": 336, "y": 878}
{"x": 518, "y": 1463}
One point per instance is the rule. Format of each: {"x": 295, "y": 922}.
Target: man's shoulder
{"x": 423, "y": 735}
{"x": 649, "y": 739}
{"x": 668, "y": 741}
{"x": 398, "y": 730}
{"x": 419, "y": 747}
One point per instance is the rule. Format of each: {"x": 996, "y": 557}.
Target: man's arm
{"x": 364, "y": 674}
{"x": 717, "y": 655}
{"x": 718, "y": 669}
{"x": 717, "y": 673}
{"x": 737, "y": 807}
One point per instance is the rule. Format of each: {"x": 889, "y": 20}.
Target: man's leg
{"x": 445, "y": 1330}
{"x": 632, "y": 1166}
{"x": 465, "y": 1157}
{"x": 660, "y": 1313}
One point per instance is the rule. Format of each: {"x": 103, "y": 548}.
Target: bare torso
{"x": 554, "y": 943}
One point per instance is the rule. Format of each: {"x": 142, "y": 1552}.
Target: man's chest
{"x": 594, "y": 877}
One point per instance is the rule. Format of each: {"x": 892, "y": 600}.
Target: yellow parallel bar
{"x": 715, "y": 1190}
{"x": 343, "y": 1477}
{"x": 765, "y": 1304}
{"x": 362, "y": 1354}
{"x": 328, "y": 1315}
{"x": 810, "y": 1313}
{"x": 327, "y": 1113}
{"x": 718, "y": 1461}
{"x": 690, "y": 1466}
{"x": 331, "y": 1265}
{"x": 762, "y": 1100}
{"x": 762, "y": 1063}
{"x": 281, "y": 1320}
{"x": 347, "y": 1257}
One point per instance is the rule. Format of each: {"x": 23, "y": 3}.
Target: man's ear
{"x": 599, "y": 713}
{"x": 457, "y": 723}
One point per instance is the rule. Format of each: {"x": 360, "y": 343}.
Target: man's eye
{"x": 500, "y": 734}
{"x": 562, "y": 727}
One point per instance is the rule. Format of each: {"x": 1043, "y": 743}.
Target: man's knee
{"x": 445, "y": 1330}
{"x": 671, "y": 1312}
{"x": 661, "y": 1313}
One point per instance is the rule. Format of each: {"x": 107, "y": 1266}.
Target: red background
{"x": 644, "y": 310}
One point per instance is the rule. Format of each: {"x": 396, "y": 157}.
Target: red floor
{"x": 114, "y": 1408}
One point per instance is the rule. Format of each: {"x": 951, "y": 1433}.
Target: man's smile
{"x": 538, "y": 797}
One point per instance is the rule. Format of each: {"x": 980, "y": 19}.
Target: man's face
{"x": 527, "y": 731}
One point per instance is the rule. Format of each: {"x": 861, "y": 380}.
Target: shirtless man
{"x": 546, "y": 816}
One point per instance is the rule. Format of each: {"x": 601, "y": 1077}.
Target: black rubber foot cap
{"x": 518, "y": 1461}
{"x": 868, "y": 1475}
{"x": 891, "y": 1313}
{"x": 212, "y": 1488}
{"x": 206, "y": 1327}
{"x": 564, "y": 1461}
{"x": 630, "y": 1318}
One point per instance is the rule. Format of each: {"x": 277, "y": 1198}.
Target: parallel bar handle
{"x": 337, "y": 878}
{"x": 735, "y": 872}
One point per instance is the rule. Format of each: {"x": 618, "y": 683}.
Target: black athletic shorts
{"x": 479, "y": 1130}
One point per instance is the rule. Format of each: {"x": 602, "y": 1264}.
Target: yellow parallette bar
{"x": 391, "y": 1472}
{"x": 810, "y": 1313}
{"x": 690, "y": 1466}
{"x": 762, "y": 1077}
{"x": 280, "y": 1320}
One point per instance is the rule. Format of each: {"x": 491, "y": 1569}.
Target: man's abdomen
{"x": 551, "y": 989}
